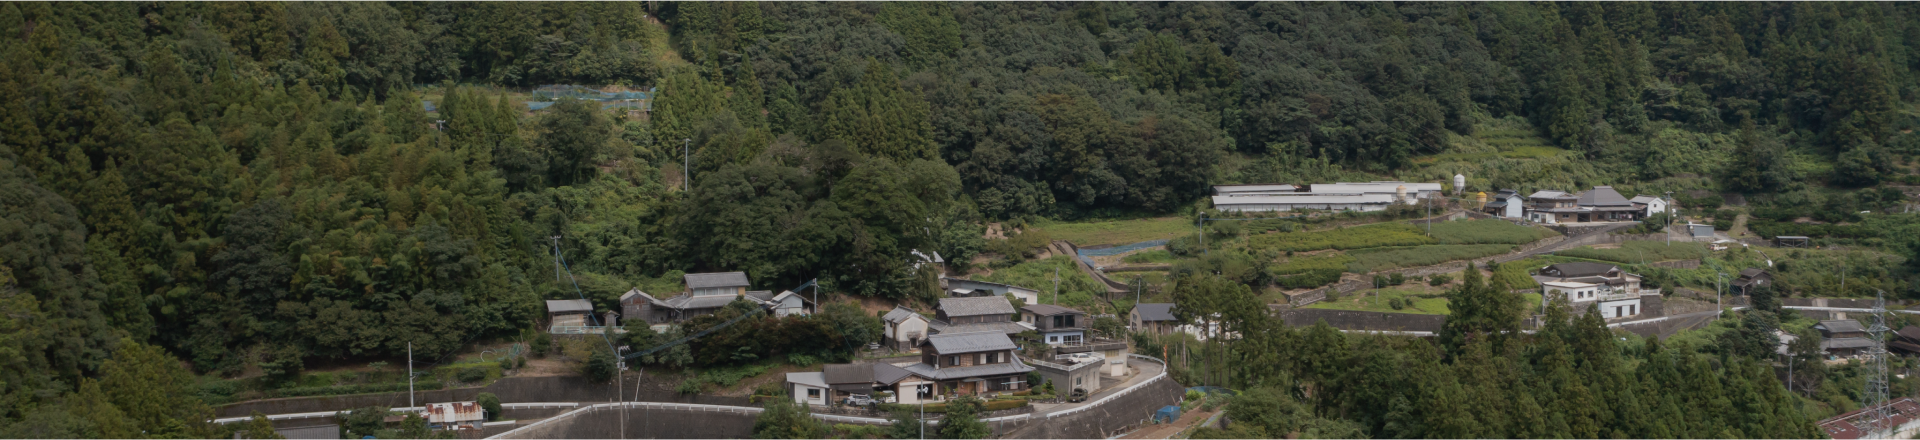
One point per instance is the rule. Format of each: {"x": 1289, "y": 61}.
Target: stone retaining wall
{"x": 643, "y": 422}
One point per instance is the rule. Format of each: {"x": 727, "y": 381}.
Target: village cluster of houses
{"x": 968, "y": 348}
{"x": 1600, "y": 204}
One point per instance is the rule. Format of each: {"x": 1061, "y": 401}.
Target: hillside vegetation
{"x": 244, "y": 189}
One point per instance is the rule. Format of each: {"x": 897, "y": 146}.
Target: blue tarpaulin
{"x": 1167, "y": 414}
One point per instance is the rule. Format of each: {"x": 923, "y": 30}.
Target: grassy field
{"x": 1149, "y": 257}
{"x": 1077, "y": 289}
{"x": 1488, "y": 231}
{"x": 1372, "y": 260}
{"x": 1094, "y": 233}
{"x": 1358, "y": 237}
{"x": 1305, "y": 263}
{"x": 1637, "y": 251}
{"x": 1380, "y": 301}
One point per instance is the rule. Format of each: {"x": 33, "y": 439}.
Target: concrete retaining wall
{"x": 1358, "y": 320}
{"x": 643, "y": 421}
{"x": 1119, "y": 415}
{"x": 652, "y": 388}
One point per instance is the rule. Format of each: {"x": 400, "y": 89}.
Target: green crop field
{"x": 1357, "y": 237}
{"x": 1304, "y": 263}
{"x": 1381, "y": 301}
{"x": 1638, "y": 251}
{"x": 1149, "y": 257}
{"x": 1373, "y": 260}
{"x": 1488, "y": 231}
{"x": 1094, "y": 233}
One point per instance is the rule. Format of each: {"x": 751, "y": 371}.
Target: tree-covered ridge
{"x": 256, "y": 185}
{"x": 1483, "y": 378}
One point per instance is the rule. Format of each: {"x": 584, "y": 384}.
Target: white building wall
{"x": 901, "y": 332}
{"x": 1620, "y": 309}
{"x": 1514, "y": 208}
{"x": 1060, "y": 337}
{"x": 808, "y": 395}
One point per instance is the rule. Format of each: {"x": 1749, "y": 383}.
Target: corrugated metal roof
{"x": 1305, "y": 199}
{"x": 454, "y": 412}
{"x": 569, "y": 306}
{"x": 719, "y": 279}
{"x": 1258, "y": 187}
{"x": 976, "y": 306}
{"x": 900, "y": 314}
{"x": 1151, "y": 312}
{"x": 1550, "y": 194}
{"x": 1578, "y": 269}
{"x": 954, "y": 343}
{"x": 812, "y": 379}
{"x": 1643, "y": 199}
{"x": 1050, "y": 310}
{"x": 1382, "y": 187}
{"x": 762, "y": 295}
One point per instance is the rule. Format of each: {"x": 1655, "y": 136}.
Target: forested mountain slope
{"x": 250, "y": 185}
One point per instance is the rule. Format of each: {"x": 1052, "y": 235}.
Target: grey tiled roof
{"x": 720, "y": 279}
{"x": 762, "y": 295}
{"x": 569, "y": 306}
{"x": 1050, "y": 310}
{"x": 950, "y": 373}
{"x": 1842, "y": 326}
{"x": 685, "y": 302}
{"x": 1005, "y": 327}
{"x": 848, "y": 373}
{"x": 1603, "y": 196}
{"x": 1155, "y": 312}
{"x": 899, "y": 315}
{"x": 888, "y": 374}
{"x": 955, "y": 343}
{"x": 976, "y": 306}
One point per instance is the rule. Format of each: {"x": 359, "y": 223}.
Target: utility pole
{"x": 1669, "y": 219}
{"x": 410, "y": 374}
{"x": 1056, "y": 284}
{"x": 1878, "y": 416}
{"x": 1718, "y": 307}
{"x": 686, "y": 163}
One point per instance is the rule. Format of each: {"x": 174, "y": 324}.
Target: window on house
{"x": 1071, "y": 339}
{"x": 953, "y": 361}
{"x": 813, "y": 393}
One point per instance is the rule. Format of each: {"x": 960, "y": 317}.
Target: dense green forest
{"x": 252, "y": 186}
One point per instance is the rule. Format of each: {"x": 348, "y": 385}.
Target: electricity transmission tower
{"x": 1877, "y": 419}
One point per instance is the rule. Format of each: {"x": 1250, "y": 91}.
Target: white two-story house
{"x": 1616, "y": 292}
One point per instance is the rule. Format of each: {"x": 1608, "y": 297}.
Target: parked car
{"x": 859, "y": 400}
{"x": 1079, "y": 395}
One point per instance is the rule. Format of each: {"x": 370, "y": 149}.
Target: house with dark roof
{"x": 1056, "y": 324}
{"x": 1548, "y": 206}
{"x": 1583, "y": 284}
{"x": 707, "y": 293}
{"x": 1156, "y": 318}
{"x": 1749, "y": 279}
{"x": 905, "y": 328}
{"x": 1506, "y": 203}
{"x": 970, "y": 364}
{"x": 1841, "y": 328}
{"x": 976, "y": 314}
{"x": 1603, "y": 204}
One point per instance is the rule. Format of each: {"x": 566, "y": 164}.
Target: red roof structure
{"x": 1844, "y": 427}
{"x": 454, "y": 413}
